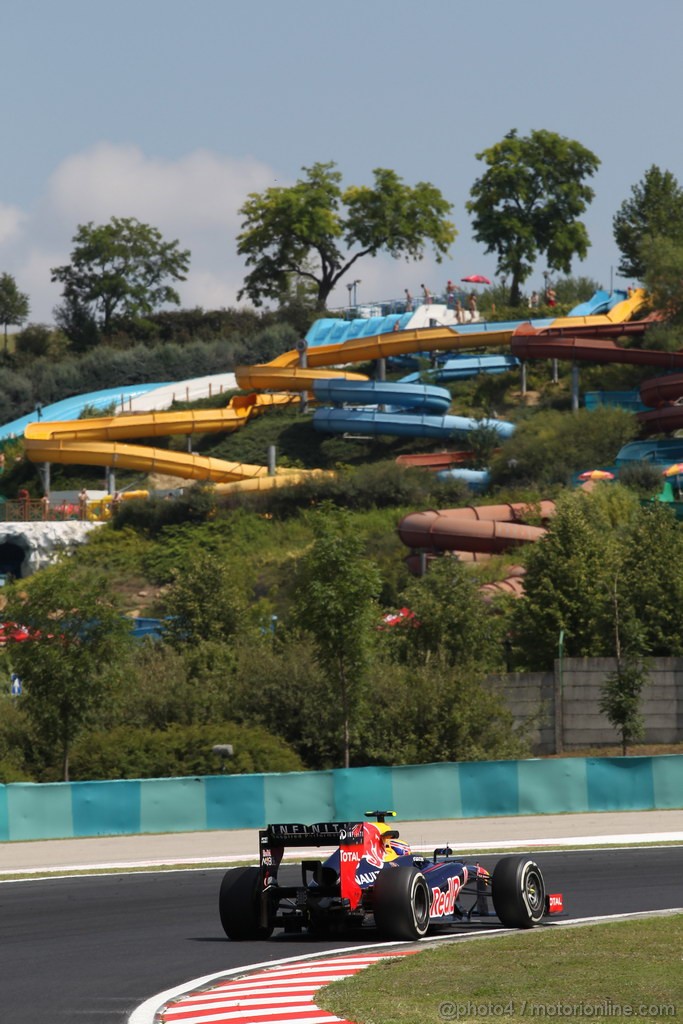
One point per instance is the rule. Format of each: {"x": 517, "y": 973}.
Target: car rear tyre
{"x": 518, "y": 892}
{"x": 239, "y": 905}
{"x": 401, "y": 901}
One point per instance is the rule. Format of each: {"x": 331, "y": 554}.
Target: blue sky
{"x": 173, "y": 111}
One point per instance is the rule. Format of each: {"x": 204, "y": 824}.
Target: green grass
{"x": 628, "y": 969}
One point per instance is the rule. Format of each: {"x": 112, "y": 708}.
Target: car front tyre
{"x": 518, "y": 892}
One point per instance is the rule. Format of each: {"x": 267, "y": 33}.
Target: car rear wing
{"x": 322, "y": 833}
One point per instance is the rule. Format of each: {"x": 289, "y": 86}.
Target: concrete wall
{"x": 416, "y": 792}
{"x": 564, "y": 705}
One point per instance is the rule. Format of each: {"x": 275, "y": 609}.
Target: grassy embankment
{"x": 626, "y": 969}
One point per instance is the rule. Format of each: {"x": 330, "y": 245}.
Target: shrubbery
{"x": 129, "y": 753}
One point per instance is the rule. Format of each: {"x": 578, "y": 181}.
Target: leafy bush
{"x": 550, "y": 446}
{"x": 644, "y": 478}
{"x": 434, "y": 712}
{"x": 150, "y": 516}
{"x": 179, "y": 750}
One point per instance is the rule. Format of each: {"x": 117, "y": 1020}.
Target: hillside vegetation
{"x": 276, "y": 640}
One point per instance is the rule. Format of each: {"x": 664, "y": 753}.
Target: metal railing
{"x": 41, "y": 511}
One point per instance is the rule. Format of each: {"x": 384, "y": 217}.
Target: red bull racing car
{"x": 372, "y": 877}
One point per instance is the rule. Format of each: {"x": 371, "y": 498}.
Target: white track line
{"x": 635, "y": 839}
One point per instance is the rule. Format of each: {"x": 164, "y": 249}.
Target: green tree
{"x": 620, "y": 699}
{"x": 550, "y": 446}
{"x": 422, "y": 713}
{"x": 662, "y": 262}
{"x": 14, "y": 305}
{"x": 528, "y": 202}
{"x": 69, "y": 666}
{"x": 604, "y": 575}
{"x": 306, "y": 232}
{"x": 119, "y": 270}
{"x": 455, "y": 626}
{"x": 567, "y": 587}
{"x": 206, "y": 602}
{"x": 655, "y": 208}
{"x": 337, "y": 588}
{"x": 651, "y": 587}
{"x": 37, "y": 340}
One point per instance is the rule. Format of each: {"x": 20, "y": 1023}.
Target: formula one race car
{"x": 372, "y": 875}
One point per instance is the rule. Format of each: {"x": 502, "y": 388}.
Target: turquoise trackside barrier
{"x": 478, "y": 789}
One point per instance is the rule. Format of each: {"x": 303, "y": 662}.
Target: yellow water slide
{"x": 100, "y": 441}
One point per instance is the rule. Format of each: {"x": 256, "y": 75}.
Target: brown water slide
{"x": 489, "y": 529}
{"x": 528, "y": 343}
{"x": 657, "y": 390}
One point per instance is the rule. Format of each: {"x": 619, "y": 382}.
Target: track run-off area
{"x": 115, "y": 947}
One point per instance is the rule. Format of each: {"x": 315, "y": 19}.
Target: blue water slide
{"x": 661, "y": 453}
{"x": 629, "y": 400}
{"x": 464, "y": 367}
{"x": 476, "y": 479}
{"x": 71, "y": 408}
{"x": 362, "y": 421}
{"x": 400, "y": 395}
{"x": 600, "y": 302}
{"x": 333, "y": 331}
{"x": 617, "y": 297}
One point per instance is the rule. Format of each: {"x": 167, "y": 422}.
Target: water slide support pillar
{"x": 523, "y": 377}
{"x": 302, "y": 348}
{"x": 45, "y": 477}
{"x": 271, "y": 459}
{"x": 111, "y": 480}
{"x": 556, "y": 374}
{"x": 575, "y": 387}
{"x": 381, "y": 369}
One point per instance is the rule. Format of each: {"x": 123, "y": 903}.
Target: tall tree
{"x": 206, "y": 601}
{"x": 68, "y": 666}
{"x": 604, "y": 575}
{"x": 528, "y": 202}
{"x": 122, "y": 269}
{"x": 336, "y": 604}
{"x": 14, "y": 305}
{"x": 655, "y": 208}
{"x": 662, "y": 266}
{"x": 455, "y": 627}
{"x": 307, "y": 231}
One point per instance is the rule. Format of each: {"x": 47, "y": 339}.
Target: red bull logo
{"x": 373, "y": 847}
{"x": 443, "y": 903}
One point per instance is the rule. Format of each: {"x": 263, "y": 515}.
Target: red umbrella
{"x": 596, "y": 474}
{"x": 476, "y": 279}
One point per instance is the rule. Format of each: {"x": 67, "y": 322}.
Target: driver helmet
{"x": 393, "y": 848}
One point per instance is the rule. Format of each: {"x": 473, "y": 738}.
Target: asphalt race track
{"x": 91, "y": 949}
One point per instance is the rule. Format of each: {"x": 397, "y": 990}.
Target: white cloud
{"x": 11, "y": 219}
{"x": 195, "y": 199}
